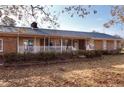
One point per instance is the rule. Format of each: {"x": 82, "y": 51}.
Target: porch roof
{"x": 53, "y": 32}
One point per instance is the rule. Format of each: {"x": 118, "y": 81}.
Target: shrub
{"x": 89, "y": 54}
{"x": 28, "y": 57}
{"x": 81, "y": 52}
{"x": 49, "y": 56}
{"x": 65, "y": 55}
{"x": 93, "y": 53}
{"x": 98, "y": 53}
{"x": 111, "y": 52}
{"x": 44, "y": 56}
{"x": 11, "y": 57}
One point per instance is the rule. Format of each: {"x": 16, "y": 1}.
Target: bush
{"x": 98, "y": 53}
{"x": 66, "y": 55}
{"x": 89, "y": 54}
{"x": 93, "y": 53}
{"x": 11, "y": 57}
{"x": 111, "y": 52}
{"x": 81, "y": 52}
{"x": 16, "y": 57}
{"x": 50, "y": 56}
{"x": 44, "y": 56}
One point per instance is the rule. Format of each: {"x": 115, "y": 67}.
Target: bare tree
{"x": 26, "y": 14}
{"x": 8, "y": 21}
{"x": 117, "y": 13}
{"x": 13, "y": 14}
{"x": 79, "y": 10}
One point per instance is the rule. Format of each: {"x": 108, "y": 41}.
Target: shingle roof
{"x": 65, "y": 33}
{"x": 80, "y": 34}
{"x": 27, "y": 30}
{"x": 102, "y": 35}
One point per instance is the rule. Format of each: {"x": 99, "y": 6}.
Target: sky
{"x": 90, "y": 22}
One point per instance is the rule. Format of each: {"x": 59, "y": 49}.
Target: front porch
{"x": 49, "y": 44}
{"x": 35, "y": 49}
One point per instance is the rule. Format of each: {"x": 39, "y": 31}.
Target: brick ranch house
{"x": 24, "y": 39}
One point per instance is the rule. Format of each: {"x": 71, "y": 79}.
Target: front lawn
{"x": 108, "y": 71}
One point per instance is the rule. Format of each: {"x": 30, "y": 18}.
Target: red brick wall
{"x": 9, "y": 44}
{"x": 118, "y": 44}
{"x": 110, "y": 44}
{"x": 98, "y": 44}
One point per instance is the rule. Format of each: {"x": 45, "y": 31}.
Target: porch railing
{"x": 35, "y": 49}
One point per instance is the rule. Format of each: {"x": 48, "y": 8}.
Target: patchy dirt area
{"x": 108, "y": 71}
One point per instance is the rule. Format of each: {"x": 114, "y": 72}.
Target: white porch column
{"x": 35, "y": 45}
{"x": 72, "y": 44}
{"x": 61, "y": 45}
{"x": 44, "y": 47}
{"x": 86, "y": 45}
{"x": 18, "y": 44}
{"x": 104, "y": 44}
{"x": 115, "y": 44}
{"x": 55, "y": 45}
{"x": 92, "y": 45}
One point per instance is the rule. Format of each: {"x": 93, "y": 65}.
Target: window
{"x": 1, "y": 45}
{"x": 28, "y": 45}
{"x": 28, "y": 42}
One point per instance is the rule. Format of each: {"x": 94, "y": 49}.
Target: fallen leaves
{"x": 105, "y": 72}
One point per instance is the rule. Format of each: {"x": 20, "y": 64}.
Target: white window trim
{"x": 1, "y": 50}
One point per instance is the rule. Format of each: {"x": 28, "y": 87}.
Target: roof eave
{"x": 107, "y": 38}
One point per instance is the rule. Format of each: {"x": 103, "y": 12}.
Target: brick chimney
{"x": 34, "y": 25}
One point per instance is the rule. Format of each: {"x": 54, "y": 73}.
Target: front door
{"x": 82, "y": 45}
